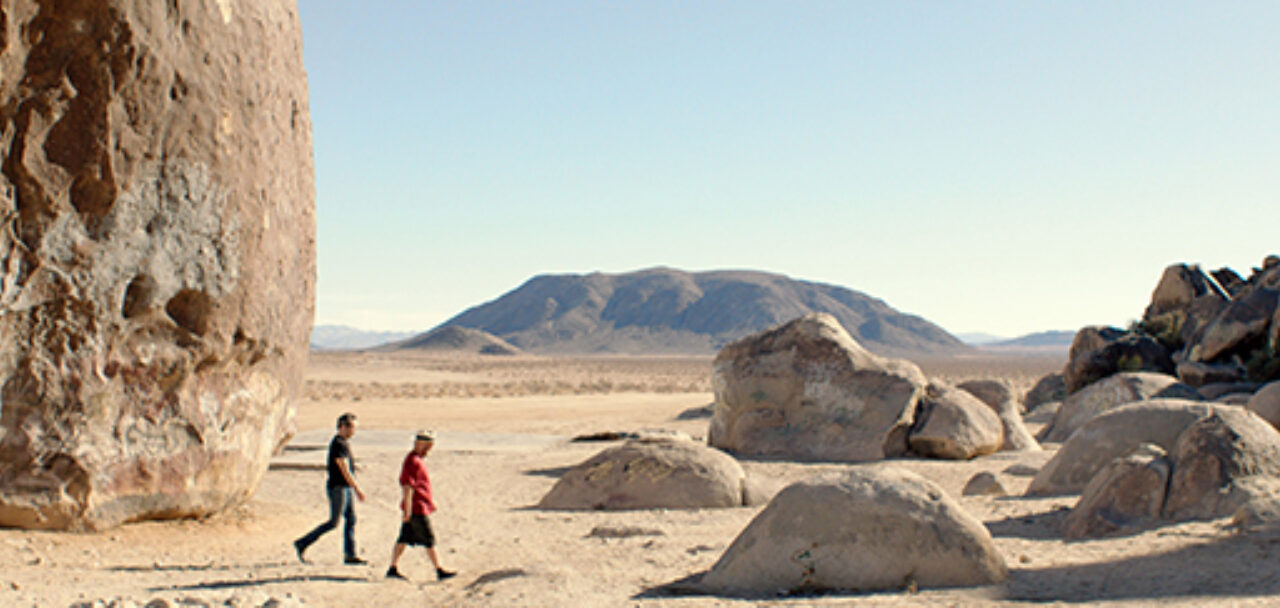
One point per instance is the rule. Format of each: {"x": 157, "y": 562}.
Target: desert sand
{"x": 505, "y": 425}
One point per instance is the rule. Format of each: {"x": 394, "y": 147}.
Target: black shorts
{"x": 417, "y": 531}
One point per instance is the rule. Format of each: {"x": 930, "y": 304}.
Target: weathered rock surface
{"x": 650, "y": 475}
{"x": 1048, "y": 389}
{"x": 1266, "y": 403}
{"x": 1181, "y": 304}
{"x": 999, "y": 396}
{"x": 807, "y": 390}
{"x": 1260, "y": 512}
{"x": 955, "y": 425}
{"x": 860, "y": 530}
{"x": 1111, "y": 435}
{"x": 1126, "y": 495}
{"x": 158, "y": 260}
{"x": 1098, "y": 352}
{"x": 1218, "y": 390}
{"x": 996, "y": 393}
{"x": 1212, "y": 455}
{"x": 1111, "y": 392}
{"x": 1198, "y": 374}
{"x": 1243, "y": 321}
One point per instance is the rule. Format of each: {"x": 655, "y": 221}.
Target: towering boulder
{"x": 157, "y": 254}
{"x": 807, "y": 390}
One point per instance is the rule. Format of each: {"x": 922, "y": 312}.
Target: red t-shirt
{"x": 414, "y": 475}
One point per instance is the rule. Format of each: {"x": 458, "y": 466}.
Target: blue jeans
{"x": 340, "y": 504}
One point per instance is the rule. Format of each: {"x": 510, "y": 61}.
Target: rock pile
{"x": 1203, "y": 327}
{"x": 157, "y": 255}
{"x": 806, "y": 390}
{"x": 1221, "y": 458}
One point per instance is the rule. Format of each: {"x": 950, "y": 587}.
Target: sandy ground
{"x": 504, "y": 430}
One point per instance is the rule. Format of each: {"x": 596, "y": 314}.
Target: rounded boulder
{"x": 662, "y": 474}
{"x": 862, "y": 530}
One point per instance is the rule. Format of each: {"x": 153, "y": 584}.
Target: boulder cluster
{"x": 806, "y": 390}
{"x": 1203, "y": 327}
{"x": 1174, "y": 418}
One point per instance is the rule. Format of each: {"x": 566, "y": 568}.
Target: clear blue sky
{"x": 1005, "y": 167}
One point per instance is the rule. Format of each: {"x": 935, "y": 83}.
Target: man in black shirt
{"x": 341, "y": 485}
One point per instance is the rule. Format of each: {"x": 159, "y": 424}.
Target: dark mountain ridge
{"x": 663, "y": 310}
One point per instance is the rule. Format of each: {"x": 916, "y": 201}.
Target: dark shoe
{"x": 300, "y": 548}
{"x": 352, "y": 560}
{"x": 393, "y": 573}
{"x": 442, "y": 574}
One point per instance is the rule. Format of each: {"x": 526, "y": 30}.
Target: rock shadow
{"x": 260, "y": 582}
{"x": 1224, "y": 568}
{"x": 553, "y": 472}
{"x": 1035, "y": 526}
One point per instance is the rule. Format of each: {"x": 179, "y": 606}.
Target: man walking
{"x": 417, "y": 503}
{"x": 341, "y": 485}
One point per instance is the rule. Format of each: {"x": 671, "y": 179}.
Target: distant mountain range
{"x": 457, "y": 339}
{"x": 342, "y": 337}
{"x": 663, "y": 310}
{"x": 1045, "y": 341}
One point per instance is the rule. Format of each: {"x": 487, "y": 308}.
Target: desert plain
{"x": 505, "y": 427}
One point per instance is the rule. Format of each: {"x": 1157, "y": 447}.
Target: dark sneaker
{"x": 442, "y": 574}
{"x": 393, "y": 573}
{"x": 300, "y": 548}
{"x": 352, "y": 560}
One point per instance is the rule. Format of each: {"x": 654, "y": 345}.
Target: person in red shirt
{"x": 416, "y": 504}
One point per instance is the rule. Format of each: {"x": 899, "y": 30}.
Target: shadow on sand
{"x": 259, "y": 582}
{"x": 1223, "y": 568}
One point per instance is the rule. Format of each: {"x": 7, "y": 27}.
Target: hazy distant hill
{"x": 665, "y": 310}
{"x": 342, "y": 337}
{"x": 978, "y": 338}
{"x": 457, "y": 339}
{"x": 1045, "y": 342}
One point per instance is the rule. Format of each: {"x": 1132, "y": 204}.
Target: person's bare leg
{"x": 435, "y": 559}
{"x": 396, "y": 553}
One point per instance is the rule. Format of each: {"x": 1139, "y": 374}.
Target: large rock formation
{"x": 670, "y": 474}
{"x": 1206, "y": 327}
{"x": 865, "y": 530}
{"x": 806, "y": 390}
{"x": 157, "y": 254}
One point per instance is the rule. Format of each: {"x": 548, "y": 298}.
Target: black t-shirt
{"x": 338, "y": 448}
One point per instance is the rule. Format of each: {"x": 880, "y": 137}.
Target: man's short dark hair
{"x": 346, "y": 419}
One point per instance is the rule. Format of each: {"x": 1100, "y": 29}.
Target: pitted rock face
{"x": 157, "y": 255}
